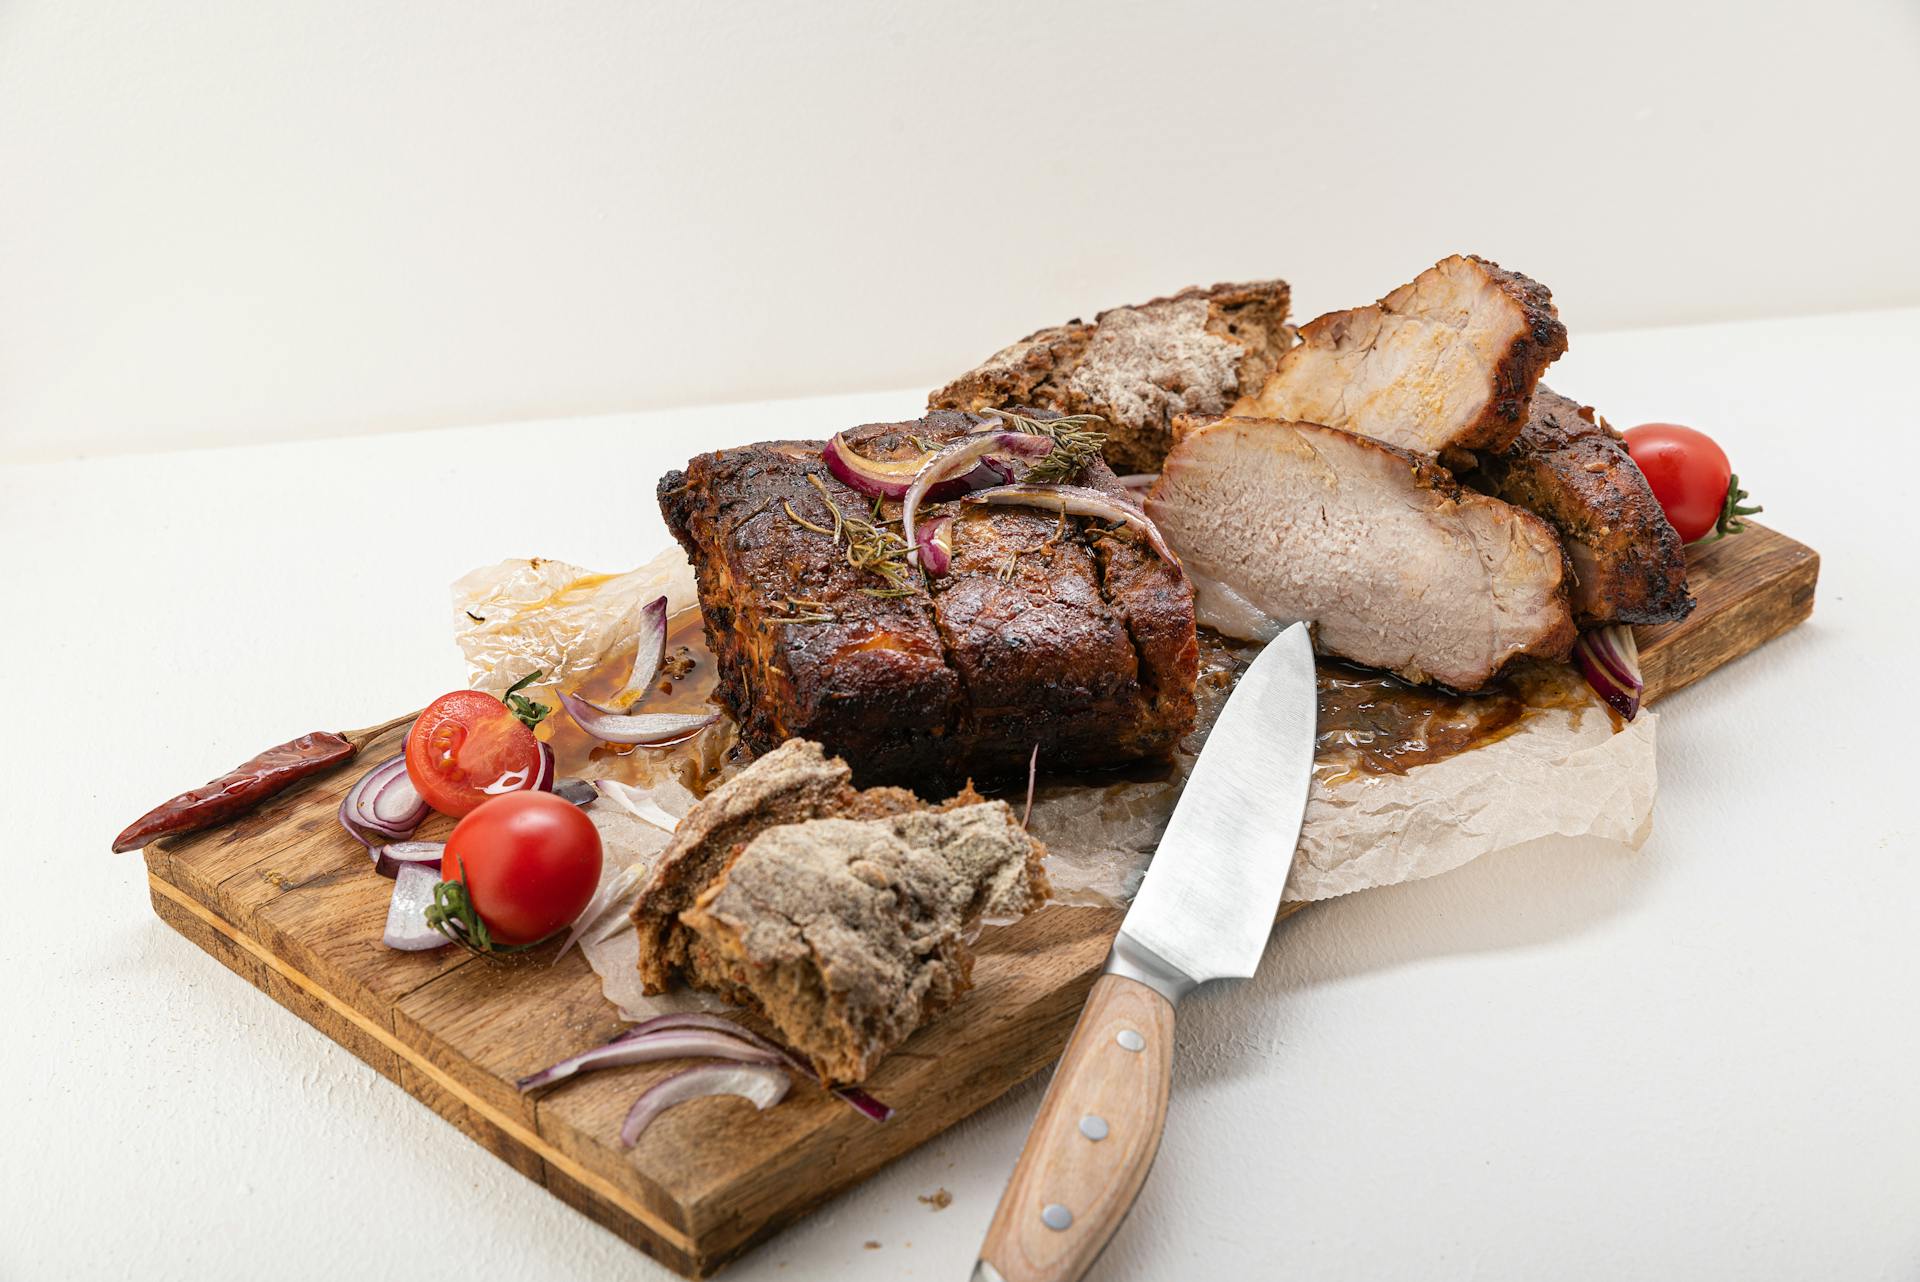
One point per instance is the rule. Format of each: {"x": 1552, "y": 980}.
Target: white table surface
{"x": 1698, "y": 1061}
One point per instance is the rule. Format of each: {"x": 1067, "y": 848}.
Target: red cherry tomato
{"x": 1691, "y": 478}
{"x": 530, "y": 862}
{"x": 467, "y": 747}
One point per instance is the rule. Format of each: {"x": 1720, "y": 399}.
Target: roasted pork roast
{"x": 1627, "y": 563}
{"x": 1446, "y": 362}
{"x": 1396, "y": 565}
{"x": 1049, "y": 631}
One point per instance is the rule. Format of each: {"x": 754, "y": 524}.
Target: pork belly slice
{"x": 1627, "y": 563}
{"x": 1395, "y": 564}
{"x": 1047, "y": 632}
{"x": 1139, "y": 366}
{"x": 1447, "y": 361}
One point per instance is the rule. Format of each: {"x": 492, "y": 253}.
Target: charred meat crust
{"x": 1516, "y": 377}
{"x": 1444, "y": 363}
{"x": 1139, "y": 366}
{"x": 1627, "y": 563}
{"x": 1048, "y": 632}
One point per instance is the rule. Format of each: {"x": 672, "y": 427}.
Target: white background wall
{"x": 235, "y": 220}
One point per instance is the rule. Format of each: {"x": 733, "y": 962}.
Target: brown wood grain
{"x": 1088, "y": 1180}
{"x": 286, "y": 901}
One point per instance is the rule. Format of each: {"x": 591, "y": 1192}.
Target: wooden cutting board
{"x": 287, "y": 901}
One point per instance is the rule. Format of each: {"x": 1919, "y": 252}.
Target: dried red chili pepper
{"x": 241, "y": 788}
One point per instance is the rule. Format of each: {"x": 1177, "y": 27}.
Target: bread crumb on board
{"x": 939, "y": 1199}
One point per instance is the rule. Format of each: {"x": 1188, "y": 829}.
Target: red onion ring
{"x": 651, "y": 730}
{"x": 650, "y": 648}
{"x": 407, "y": 928}
{"x": 1610, "y": 661}
{"x": 656, "y": 1044}
{"x": 935, "y": 541}
{"x": 383, "y": 803}
{"x": 951, "y": 460}
{"x": 892, "y": 479}
{"x": 1078, "y": 500}
{"x": 388, "y": 860}
{"x": 763, "y": 1084}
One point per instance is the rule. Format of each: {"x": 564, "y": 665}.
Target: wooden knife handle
{"x": 1088, "y": 1152}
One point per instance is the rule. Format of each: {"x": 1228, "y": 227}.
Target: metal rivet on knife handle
{"x": 1094, "y": 1127}
{"x": 1130, "y": 1040}
{"x": 1056, "y": 1217}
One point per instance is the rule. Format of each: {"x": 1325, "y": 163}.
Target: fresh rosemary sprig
{"x": 1075, "y": 444}
{"x": 877, "y": 551}
{"x": 804, "y": 610}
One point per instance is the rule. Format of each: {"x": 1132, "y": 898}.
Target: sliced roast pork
{"x": 1567, "y": 465}
{"x": 1445, "y": 362}
{"x": 1396, "y": 565}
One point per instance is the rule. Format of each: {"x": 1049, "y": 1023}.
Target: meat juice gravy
{"x": 1370, "y": 723}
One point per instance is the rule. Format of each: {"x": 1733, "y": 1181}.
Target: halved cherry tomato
{"x": 468, "y": 747}
{"x": 1690, "y": 476}
{"x": 530, "y": 862}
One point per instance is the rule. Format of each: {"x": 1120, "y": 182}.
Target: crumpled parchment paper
{"x": 1564, "y": 771}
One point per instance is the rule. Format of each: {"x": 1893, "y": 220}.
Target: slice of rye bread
{"x": 848, "y": 934}
{"x": 1139, "y": 366}
{"x": 795, "y": 782}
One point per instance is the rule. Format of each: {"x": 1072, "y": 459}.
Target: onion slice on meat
{"x": 655, "y": 1044}
{"x": 1610, "y": 661}
{"x": 389, "y": 859}
{"x": 384, "y": 803}
{"x": 651, "y": 730}
{"x": 763, "y": 1084}
{"x": 1138, "y": 483}
{"x": 650, "y": 648}
{"x": 935, "y": 542}
{"x": 892, "y": 479}
{"x": 953, "y": 460}
{"x": 1078, "y": 500}
{"x": 407, "y": 928}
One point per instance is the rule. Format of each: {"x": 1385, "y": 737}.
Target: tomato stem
{"x": 1732, "y": 513}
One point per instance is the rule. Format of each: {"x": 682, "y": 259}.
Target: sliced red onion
{"x": 640, "y": 808}
{"x": 407, "y": 928}
{"x": 1138, "y": 483}
{"x": 652, "y": 730}
{"x": 389, "y": 859}
{"x": 1077, "y": 500}
{"x": 580, "y": 792}
{"x": 864, "y": 1104}
{"x": 1610, "y": 661}
{"x": 619, "y": 888}
{"x": 664, "y": 1043}
{"x": 384, "y": 803}
{"x": 650, "y": 647}
{"x": 935, "y": 541}
{"x": 855, "y": 1098}
{"x": 763, "y": 1084}
{"x": 1033, "y": 777}
{"x": 959, "y": 457}
{"x": 892, "y": 480}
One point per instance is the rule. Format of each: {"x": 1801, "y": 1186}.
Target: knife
{"x": 1204, "y": 912}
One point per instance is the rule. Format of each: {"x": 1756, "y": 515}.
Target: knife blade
{"x": 1204, "y": 912}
